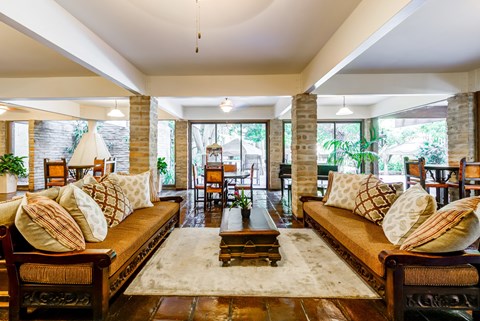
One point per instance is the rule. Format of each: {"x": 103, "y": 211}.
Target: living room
{"x": 284, "y": 70}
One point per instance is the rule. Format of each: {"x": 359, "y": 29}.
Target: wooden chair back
{"x": 110, "y": 165}
{"x": 196, "y": 178}
{"x": 230, "y": 168}
{"x": 98, "y": 167}
{"x": 468, "y": 176}
{"x": 213, "y": 175}
{"x": 415, "y": 171}
{"x": 55, "y": 172}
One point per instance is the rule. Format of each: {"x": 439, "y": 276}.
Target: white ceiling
{"x": 154, "y": 40}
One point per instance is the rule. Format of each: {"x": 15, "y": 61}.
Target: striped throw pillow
{"x": 452, "y": 228}
{"x": 57, "y": 222}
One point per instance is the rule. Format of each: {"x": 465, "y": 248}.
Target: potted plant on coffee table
{"x": 11, "y": 167}
{"x": 162, "y": 168}
{"x": 243, "y": 202}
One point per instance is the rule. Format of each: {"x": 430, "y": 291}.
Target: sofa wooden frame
{"x": 94, "y": 296}
{"x": 397, "y": 296}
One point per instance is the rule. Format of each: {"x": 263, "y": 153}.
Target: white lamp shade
{"x": 115, "y": 113}
{"x": 91, "y": 145}
{"x": 344, "y": 111}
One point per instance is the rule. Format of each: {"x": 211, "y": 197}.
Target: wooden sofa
{"x": 86, "y": 279}
{"x": 405, "y": 280}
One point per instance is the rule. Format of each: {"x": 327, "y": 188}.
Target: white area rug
{"x": 187, "y": 265}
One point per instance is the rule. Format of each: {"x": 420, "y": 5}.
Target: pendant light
{"x": 115, "y": 112}
{"x": 226, "y": 105}
{"x": 344, "y": 111}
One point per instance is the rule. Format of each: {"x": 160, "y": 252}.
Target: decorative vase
{"x": 245, "y": 213}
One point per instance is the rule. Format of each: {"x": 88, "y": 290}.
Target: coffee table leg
{"x": 224, "y": 255}
{"x": 225, "y": 262}
{"x": 274, "y": 254}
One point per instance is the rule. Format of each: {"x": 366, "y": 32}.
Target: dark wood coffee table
{"x": 254, "y": 238}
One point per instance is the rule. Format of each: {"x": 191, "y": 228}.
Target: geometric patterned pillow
{"x": 111, "y": 199}
{"x": 86, "y": 212}
{"x": 48, "y": 226}
{"x": 453, "y": 228}
{"x": 374, "y": 199}
{"x": 344, "y": 190}
{"x": 409, "y": 211}
{"x": 136, "y": 187}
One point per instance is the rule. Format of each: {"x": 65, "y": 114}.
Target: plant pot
{"x": 245, "y": 213}
{"x": 8, "y": 183}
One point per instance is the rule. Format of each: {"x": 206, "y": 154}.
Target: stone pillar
{"x": 143, "y": 134}
{"x": 304, "y": 149}
{"x": 461, "y": 128}
{"x": 35, "y": 159}
{"x": 275, "y": 147}
{"x": 181, "y": 154}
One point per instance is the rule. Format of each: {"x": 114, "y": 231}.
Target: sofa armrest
{"x": 311, "y": 198}
{"x": 176, "y": 199}
{"x": 394, "y": 258}
{"x": 98, "y": 257}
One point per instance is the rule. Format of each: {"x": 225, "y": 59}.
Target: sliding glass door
{"x": 243, "y": 144}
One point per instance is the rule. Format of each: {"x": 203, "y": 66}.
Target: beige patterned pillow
{"x": 344, "y": 190}
{"x": 408, "y": 212}
{"x": 111, "y": 199}
{"x": 374, "y": 199}
{"x": 453, "y": 228}
{"x": 136, "y": 187}
{"x": 86, "y": 212}
{"x": 47, "y": 226}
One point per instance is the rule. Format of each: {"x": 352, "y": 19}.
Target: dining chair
{"x": 102, "y": 167}
{"x": 468, "y": 178}
{"x": 55, "y": 172}
{"x": 197, "y": 186}
{"x": 415, "y": 173}
{"x": 230, "y": 168}
{"x": 214, "y": 182}
{"x": 247, "y": 187}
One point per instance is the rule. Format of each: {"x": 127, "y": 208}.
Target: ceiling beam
{"x": 369, "y": 22}
{"x": 394, "y": 84}
{"x": 59, "y": 88}
{"x": 42, "y": 20}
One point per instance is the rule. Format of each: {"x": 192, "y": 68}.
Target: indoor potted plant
{"x": 11, "y": 167}
{"x": 162, "y": 170}
{"x": 243, "y": 202}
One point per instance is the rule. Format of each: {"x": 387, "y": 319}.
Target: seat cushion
{"x": 128, "y": 236}
{"x": 362, "y": 238}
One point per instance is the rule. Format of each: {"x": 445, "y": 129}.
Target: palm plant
{"x": 357, "y": 151}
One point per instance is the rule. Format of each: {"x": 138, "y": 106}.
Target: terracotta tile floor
{"x": 155, "y": 308}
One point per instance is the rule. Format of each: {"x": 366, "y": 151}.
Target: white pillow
{"x": 344, "y": 190}
{"x": 135, "y": 187}
{"x": 86, "y": 212}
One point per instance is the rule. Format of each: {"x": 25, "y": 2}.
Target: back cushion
{"x": 344, "y": 190}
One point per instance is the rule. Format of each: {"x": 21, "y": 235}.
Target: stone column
{"x": 461, "y": 128}
{"x": 35, "y": 158}
{"x": 181, "y": 154}
{"x": 143, "y": 134}
{"x": 304, "y": 149}
{"x": 275, "y": 147}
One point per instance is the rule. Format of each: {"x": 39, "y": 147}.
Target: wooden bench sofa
{"x": 405, "y": 280}
{"x": 89, "y": 278}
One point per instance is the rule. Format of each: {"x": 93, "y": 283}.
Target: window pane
{"x": 325, "y": 132}
{"x": 166, "y": 148}
{"x": 202, "y": 136}
{"x": 254, "y": 137}
{"x": 287, "y": 143}
{"x": 348, "y": 132}
{"x": 228, "y": 136}
{"x": 20, "y": 146}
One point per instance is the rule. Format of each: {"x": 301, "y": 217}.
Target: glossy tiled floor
{"x": 154, "y": 308}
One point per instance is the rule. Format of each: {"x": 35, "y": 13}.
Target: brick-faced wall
{"x": 3, "y": 137}
{"x": 117, "y": 139}
{"x": 461, "y": 128}
{"x": 304, "y": 149}
{"x": 275, "y": 152}
{"x": 181, "y": 154}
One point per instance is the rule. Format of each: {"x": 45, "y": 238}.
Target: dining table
{"x": 442, "y": 173}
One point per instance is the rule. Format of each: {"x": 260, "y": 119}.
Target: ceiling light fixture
{"x": 3, "y": 109}
{"x": 344, "y": 111}
{"x": 226, "y": 105}
{"x": 198, "y": 34}
{"x": 115, "y": 112}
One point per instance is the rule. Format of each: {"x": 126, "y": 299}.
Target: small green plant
{"x": 241, "y": 200}
{"x": 12, "y": 164}
{"x": 162, "y": 166}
